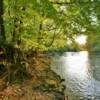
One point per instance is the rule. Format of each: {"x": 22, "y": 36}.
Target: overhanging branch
{"x": 71, "y": 3}
{"x": 61, "y": 3}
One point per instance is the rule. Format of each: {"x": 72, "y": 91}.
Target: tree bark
{"x": 2, "y": 30}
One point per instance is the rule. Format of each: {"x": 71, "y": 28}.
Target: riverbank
{"x": 45, "y": 84}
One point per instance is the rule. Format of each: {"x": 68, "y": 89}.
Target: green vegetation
{"x": 46, "y": 25}
{"x": 30, "y": 27}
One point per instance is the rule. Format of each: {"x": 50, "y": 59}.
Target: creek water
{"x": 81, "y": 71}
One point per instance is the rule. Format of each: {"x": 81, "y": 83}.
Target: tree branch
{"x": 62, "y": 3}
{"x": 70, "y": 3}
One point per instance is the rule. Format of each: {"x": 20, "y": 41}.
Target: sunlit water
{"x": 81, "y": 72}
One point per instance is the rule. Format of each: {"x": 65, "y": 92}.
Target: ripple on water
{"x": 80, "y": 72}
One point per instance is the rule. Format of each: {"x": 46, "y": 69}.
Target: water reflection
{"x": 76, "y": 68}
{"x": 80, "y": 72}
{"x": 77, "y": 64}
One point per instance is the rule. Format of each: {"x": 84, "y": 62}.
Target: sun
{"x": 82, "y": 39}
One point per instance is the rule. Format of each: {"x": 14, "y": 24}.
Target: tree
{"x": 2, "y": 30}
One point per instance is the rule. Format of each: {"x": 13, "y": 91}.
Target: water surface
{"x": 81, "y": 71}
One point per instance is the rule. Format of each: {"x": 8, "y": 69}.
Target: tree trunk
{"x": 2, "y": 30}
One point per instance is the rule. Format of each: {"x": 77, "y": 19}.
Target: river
{"x": 81, "y": 71}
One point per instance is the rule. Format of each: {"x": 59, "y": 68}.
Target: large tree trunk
{"x": 2, "y": 31}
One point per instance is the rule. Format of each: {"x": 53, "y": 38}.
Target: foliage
{"x": 69, "y": 18}
{"x": 44, "y": 25}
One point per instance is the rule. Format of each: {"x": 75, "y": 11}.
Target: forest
{"x": 31, "y": 33}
